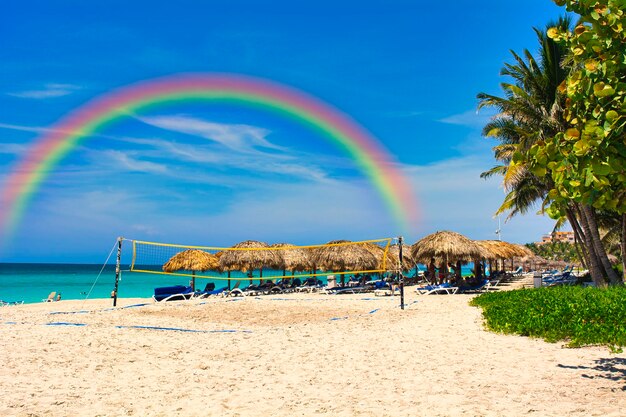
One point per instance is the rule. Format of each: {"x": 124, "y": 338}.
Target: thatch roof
{"x": 292, "y": 258}
{"x": 499, "y": 249}
{"x": 407, "y": 260}
{"x": 445, "y": 246}
{"x": 517, "y": 250}
{"x": 248, "y": 255}
{"x": 343, "y": 255}
{"x": 191, "y": 260}
{"x": 379, "y": 253}
{"x": 494, "y": 249}
{"x": 392, "y": 261}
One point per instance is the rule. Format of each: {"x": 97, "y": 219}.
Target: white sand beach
{"x": 293, "y": 355}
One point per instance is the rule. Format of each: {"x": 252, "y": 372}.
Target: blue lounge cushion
{"x": 161, "y": 293}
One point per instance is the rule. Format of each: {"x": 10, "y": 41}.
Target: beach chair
{"x": 343, "y": 290}
{"x": 50, "y": 298}
{"x": 10, "y": 303}
{"x": 310, "y": 285}
{"x": 445, "y": 288}
{"x": 386, "y": 290}
{"x": 484, "y": 285}
{"x": 565, "y": 278}
{"x": 173, "y": 293}
{"x": 210, "y": 290}
{"x": 234, "y": 292}
{"x": 493, "y": 284}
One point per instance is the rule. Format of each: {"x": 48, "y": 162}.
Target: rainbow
{"x": 374, "y": 161}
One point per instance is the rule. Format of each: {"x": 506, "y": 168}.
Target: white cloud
{"x": 239, "y": 137}
{"x": 129, "y": 163}
{"x": 298, "y": 213}
{"x": 12, "y": 148}
{"x": 450, "y": 193}
{"x": 452, "y": 196}
{"x": 293, "y": 165}
{"x": 21, "y": 128}
{"x": 470, "y": 118}
{"x": 49, "y": 91}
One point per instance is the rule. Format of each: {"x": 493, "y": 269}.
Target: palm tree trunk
{"x": 623, "y": 246}
{"x": 597, "y": 244}
{"x": 594, "y": 267}
{"x": 581, "y": 251}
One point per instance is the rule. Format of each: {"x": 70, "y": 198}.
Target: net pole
{"x": 117, "y": 269}
{"x": 401, "y": 277}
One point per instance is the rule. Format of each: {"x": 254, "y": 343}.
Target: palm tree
{"x": 532, "y": 111}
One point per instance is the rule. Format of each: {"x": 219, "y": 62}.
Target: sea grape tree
{"x": 587, "y": 161}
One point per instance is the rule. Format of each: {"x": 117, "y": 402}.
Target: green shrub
{"x": 580, "y": 316}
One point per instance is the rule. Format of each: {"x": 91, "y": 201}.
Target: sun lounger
{"x": 176, "y": 292}
{"x": 233, "y": 292}
{"x": 50, "y": 298}
{"x": 493, "y": 284}
{"x": 250, "y": 290}
{"x": 564, "y": 278}
{"x": 386, "y": 291}
{"x": 444, "y": 288}
{"x": 344, "y": 290}
{"x": 10, "y": 303}
{"x": 310, "y": 285}
{"x": 208, "y": 293}
{"x": 483, "y": 286}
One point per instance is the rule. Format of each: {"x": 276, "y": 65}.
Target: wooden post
{"x": 401, "y": 277}
{"x": 117, "y": 269}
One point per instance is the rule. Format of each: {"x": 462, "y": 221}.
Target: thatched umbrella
{"x": 492, "y": 250}
{"x": 249, "y": 255}
{"x": 193, "y": 260}
{"x": 532, "y": 261}
{"x": 446, "y": 247}
{"x": 515, "y": 251}
{"x": 499, "y": 249}
{"x": 292, "y": 258}
{"x": 343, "y": 255}
{"x": 222, "y": 269}
{"x": 392, "y": 260}
{"x": 408, "y": 262}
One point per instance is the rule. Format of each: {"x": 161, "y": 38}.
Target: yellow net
{"x": 254, "y": 260}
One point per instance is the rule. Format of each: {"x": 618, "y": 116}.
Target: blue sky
{"x": 216, "y": 174}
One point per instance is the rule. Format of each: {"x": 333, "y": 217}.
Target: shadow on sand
{"x": 613, "y": 369}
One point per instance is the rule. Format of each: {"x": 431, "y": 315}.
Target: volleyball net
{"x": 257, "y": 260}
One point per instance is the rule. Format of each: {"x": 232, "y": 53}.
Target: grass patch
{"x": 579, "y": 316}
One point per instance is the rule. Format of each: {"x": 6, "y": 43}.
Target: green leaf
{"x": 572, "y": 133}
{"x": 581, "y": 147}
{"x": 538, "y": 171}
{"x": 611, "y": 116}
{"x": 601, "y": 168}
{"x": 601, "y": 89}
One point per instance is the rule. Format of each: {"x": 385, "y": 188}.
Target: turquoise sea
{"x": 33, "y": 282}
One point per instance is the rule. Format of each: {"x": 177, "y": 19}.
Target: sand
{"x": 293, "y": 355}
